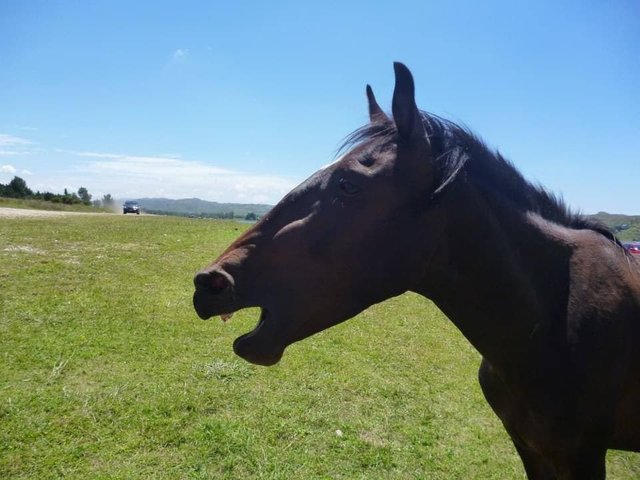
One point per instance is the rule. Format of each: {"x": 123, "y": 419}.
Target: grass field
{"x": 106, "y": 372}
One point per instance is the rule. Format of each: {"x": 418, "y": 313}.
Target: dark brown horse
{"x": 549, "y": 298}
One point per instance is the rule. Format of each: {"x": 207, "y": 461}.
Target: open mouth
{"x": 260, "y": 345}
{"x": 263, "y": 345}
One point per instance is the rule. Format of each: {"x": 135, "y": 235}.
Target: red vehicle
{"x": 633, "y": 248}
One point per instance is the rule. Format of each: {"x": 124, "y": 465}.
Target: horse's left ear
{"x": 375, "y": 112}
{"x": 405, "y": 112}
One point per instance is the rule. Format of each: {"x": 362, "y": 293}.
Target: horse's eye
{"x": 349, "y": 188}
{"x": 367, "y": 160}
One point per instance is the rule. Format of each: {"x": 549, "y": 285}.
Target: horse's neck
{"x": 498, "y": 276}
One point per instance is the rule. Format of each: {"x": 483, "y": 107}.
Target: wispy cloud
{"x": 179, "y": 54}
{"x": 136, "y": 176}
{"x": 7, "y": 171}
{"x": 13, "y": 141}
{"x": 11, "y": 153}
{"x": 176, "y": 60}
{"x": 178, "y": 57}
{"x": 12, "y": 146}
{"x": 89, "y": 154}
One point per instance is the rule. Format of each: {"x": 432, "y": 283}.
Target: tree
{"x": 84, "y": 195}
{"x": 251, "y": 217}
{"x": 107, "y": 200}
{"x": 70, "y": 198}
{"x": 17, "y": 188}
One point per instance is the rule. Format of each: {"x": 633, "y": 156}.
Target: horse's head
{"x": 343, "y": 240}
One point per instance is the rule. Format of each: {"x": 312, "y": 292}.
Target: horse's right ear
{"x": 405, "y": 112}
{"x": 375, "y": 112}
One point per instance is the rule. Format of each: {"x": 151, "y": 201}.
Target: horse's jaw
{"x": 261, "y": 346}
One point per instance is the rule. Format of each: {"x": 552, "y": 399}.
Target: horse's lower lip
{"x": 260, "y": 345}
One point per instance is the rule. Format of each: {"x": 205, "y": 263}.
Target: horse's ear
{"x": 405, "y": 112}
{"x": 375, "y": 112}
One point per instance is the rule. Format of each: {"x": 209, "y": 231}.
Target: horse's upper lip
{"x": 207, "y": 305}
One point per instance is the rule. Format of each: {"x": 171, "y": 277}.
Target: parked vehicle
{"x": 131, "y": 206}
{"x": 633, "y": 247}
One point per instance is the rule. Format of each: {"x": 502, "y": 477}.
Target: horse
{"x": 548, "y": 297}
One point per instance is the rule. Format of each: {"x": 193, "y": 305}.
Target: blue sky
{"x": 240, "y": 101}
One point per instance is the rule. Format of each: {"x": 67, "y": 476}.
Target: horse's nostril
{"x": 218, "y": 282}
{"x": 201, "y": 280}
{"x": 212, "y": 281}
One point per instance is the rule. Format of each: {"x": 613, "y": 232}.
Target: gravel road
{"x": 6, "y": 212}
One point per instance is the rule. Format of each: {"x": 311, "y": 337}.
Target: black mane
{"x": 457, "y": 151}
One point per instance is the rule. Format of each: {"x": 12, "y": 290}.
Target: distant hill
{"x": 626, "y": 227}
{"x": 201, "y": 208}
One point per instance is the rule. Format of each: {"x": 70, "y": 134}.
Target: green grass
{"x": 44, "y": 205}
{"x": 106, "y": 372}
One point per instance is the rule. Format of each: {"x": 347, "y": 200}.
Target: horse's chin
{"x": 259, "y": 346}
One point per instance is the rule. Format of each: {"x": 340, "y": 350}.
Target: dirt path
{"x": 6, "y": 212}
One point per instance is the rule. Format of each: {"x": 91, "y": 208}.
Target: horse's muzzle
{"x": 215, "y": 294}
